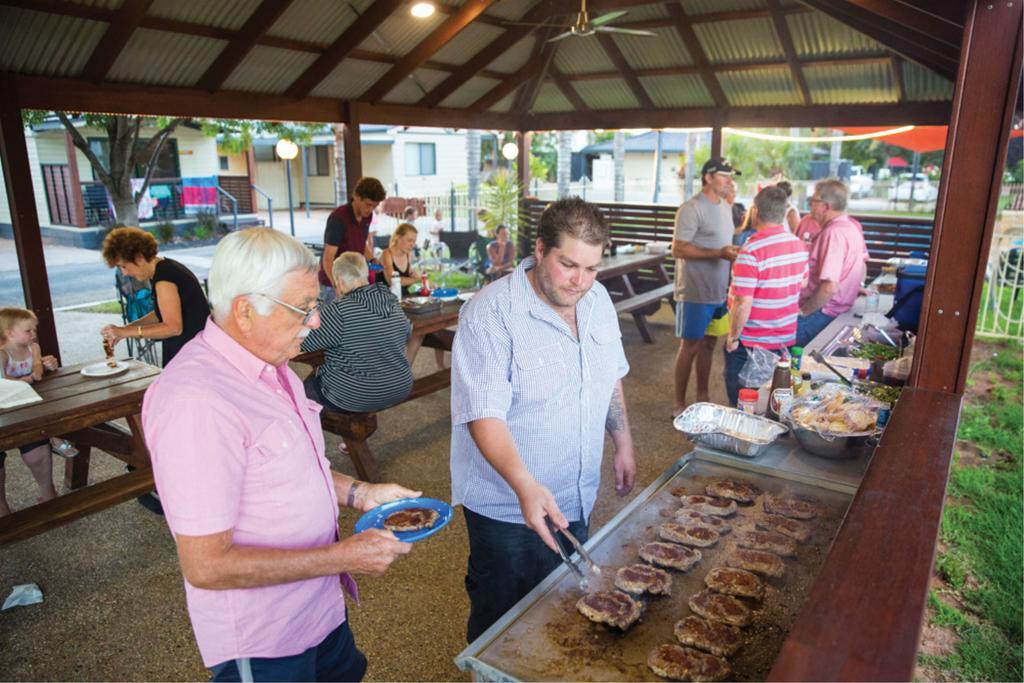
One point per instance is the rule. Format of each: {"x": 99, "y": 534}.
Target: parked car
{"x": 860, "y": 182}
{"x": 924, "y": 191}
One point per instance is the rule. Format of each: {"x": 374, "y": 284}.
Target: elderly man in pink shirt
{"x": 838, "y": 262}
{"x": 238, "y": 459}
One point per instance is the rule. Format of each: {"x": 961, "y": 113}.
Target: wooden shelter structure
{"x": 485, "y": 64}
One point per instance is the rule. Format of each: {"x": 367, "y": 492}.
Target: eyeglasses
{"x": 812, "y": 200}
{"x": 307, "y": 314}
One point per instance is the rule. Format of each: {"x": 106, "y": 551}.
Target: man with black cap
{"x": 703, "y": 249}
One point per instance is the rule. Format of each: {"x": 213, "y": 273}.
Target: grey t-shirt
{"x": 704, "y": 224}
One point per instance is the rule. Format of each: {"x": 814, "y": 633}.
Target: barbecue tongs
{"x": 585, "y": 558}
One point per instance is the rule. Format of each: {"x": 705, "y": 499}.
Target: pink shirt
{"x": 770, "y": 268}
{"x": 838, "y": 255}
{"x": 237, "y": 446}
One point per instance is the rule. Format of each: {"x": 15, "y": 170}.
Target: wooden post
{"x": 523, "y": 139}
{"x": 353, "y": 148}
{"x": 716, "y": 141}
{"x": 972, "y": 169}
{"x": 250, "y": 173}
{"x": 77, "y": 204}
{"x": 28, "y": 241}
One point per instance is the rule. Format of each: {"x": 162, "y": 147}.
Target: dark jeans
{"x": 334, "y": 659}
{"x": 734, "y": 361}
{"x": 808, "y": 327}
{"x": 313, "y": 392}
{"x": 506, "y": 561}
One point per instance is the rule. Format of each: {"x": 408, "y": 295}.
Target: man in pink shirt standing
{"x": 238, "y": 459}
{"x": 838, "y": 262}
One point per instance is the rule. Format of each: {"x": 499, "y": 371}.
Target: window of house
{"x": 318, "y": 161}
{"x": 264, "y": 153}
{"x": 167, "y": 163}
{"x": 420, "y": 158}
{"x": 224, "y": 165}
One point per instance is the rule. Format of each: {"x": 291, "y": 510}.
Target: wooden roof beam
{"x": 786, "y": 40}
{"x": 448, "y": 29}
{"x": 342, "y": 47}
{"x": 122, "y": 25}
{"x": 619, "y": 60}
{"x": 525, "y": 73}
{"x": 258, "y": 23}
{"x": 915, "y": 18}
{"x": 700, "y": 60}
{"x": 528, "y": 93}
{"x": 896, "y": 64}
{"x": 567, "y": 89}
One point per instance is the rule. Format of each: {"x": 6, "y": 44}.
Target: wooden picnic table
{"x": 614, "y": 273}
{"x": 80, "y": 409}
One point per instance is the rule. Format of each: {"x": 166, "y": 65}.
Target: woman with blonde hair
{"x": 397, "y": 258}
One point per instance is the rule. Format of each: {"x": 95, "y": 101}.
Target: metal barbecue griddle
{"x": 544, "y": 637}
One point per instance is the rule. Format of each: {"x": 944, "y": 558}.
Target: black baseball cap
{"x": 718, "y": 165}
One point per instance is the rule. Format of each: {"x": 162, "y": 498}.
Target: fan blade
{"x": 625, "y": 31}
{"x": 605, "y": 18}
{"x": 560, "y": 36}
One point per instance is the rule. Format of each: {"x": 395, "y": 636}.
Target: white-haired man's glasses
{"x": 307, "y": 314}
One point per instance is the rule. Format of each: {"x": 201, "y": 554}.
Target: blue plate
{"x": 374, "y": 519}
{"x": 445, "y": 293}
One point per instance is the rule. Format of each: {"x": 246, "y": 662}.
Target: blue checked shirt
{"x": 516, "y": 360}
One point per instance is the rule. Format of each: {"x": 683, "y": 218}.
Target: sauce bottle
{"x": 781, "y": 392}
{"x": 425, "y": 289}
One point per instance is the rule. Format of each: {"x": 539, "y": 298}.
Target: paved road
{"x": 77, "y": 281}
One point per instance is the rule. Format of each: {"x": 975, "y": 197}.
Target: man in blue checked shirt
{"x": 537, "y": 369}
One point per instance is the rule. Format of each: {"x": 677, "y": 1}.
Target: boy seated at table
{"x": 21, "y": 360}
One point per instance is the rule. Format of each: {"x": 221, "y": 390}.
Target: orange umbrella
{"x": 918, "y": 139}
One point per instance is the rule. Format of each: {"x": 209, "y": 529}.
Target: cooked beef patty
{"x": 718, "y": 607}
{"x": 678, "y": 532}
{"x": 411, "y": 519}
{"x": 732, "y": 581}
{"x": 794, "y": 508}
{"x": 680, "y": 663}
{"x": 757, "y": 561}
{"x": 739, "y": 491}
{"x": 711, "y": 636}
{"x": 669, "y": 555}
{"x": 709, "y": 505}
{"x": 614, "y": 608}
{"x": 643, "y": 578}
{"x": 798, "y": 531}
{"x": 692, "y": 517}
{"x": 767, "y": 540}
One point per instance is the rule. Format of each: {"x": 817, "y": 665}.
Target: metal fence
{"x": 1001, "y": 312}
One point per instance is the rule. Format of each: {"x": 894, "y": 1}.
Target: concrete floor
{"x": 114, "y": 604}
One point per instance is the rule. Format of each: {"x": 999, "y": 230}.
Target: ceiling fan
{"x": 583, "y": 25}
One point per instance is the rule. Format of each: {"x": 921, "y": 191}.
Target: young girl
{"x": 20, "y": 359}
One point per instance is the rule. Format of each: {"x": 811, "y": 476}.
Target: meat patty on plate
{"x": 411, "y": 519}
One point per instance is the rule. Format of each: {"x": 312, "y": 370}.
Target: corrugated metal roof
{"x": 638, "y": 13}
{"x": 677, "y": 91}
{"x": 759, "y": 87}
{"x": 664, "y": 49}
{"x": 550, "y": 99}
{"x": 850, "y": 83}
{"x": 46, "y": 44}
{"x": 316, "y": 21}
{"x": 401, "y": 32}
{"x": 505, "y": 104}
{"x": 163, "y": 58}
{"x": 268, "y": 70}
{"x": 743, "y": 40}
{"x": 582, "y": 56}
{"x": 818, "y": 35}
{"x": 411, "y": 89}
{"x": 922, "y": 84}
{"x": 106, "y": 4}
{"x": 469, "y": 92}
{"x": 510, "y": 9}
{"x": 512, "y": 59}
{"x": 467, "y": 43}
{"x": 694, "y": 7}
{"x": 229, "y": 14}
{"x": 606, "y": 93}
{"x": 350, "y": 79}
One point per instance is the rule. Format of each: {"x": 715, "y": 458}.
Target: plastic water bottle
{"x": 396, "y": 285}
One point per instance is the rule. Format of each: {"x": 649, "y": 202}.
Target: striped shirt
{"x": 516, "y": 360}
{"x": 770, "y": 267}
{"x": 363, "y": 337}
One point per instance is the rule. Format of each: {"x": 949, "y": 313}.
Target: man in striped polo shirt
{"x": 766, "y": 279}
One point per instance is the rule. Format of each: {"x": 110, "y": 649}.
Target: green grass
{"x": 983, "y": 529}
{"x": 1004, "y": 316}
{"x": 104, "y": 307}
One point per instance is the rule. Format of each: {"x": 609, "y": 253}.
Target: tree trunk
{"x": 340, "y": 180}
{"x": 564, "y": 163}
{"x": 473, "y": 174}
{"x": 126, "y": 211}
{"x": 619, "y": 164}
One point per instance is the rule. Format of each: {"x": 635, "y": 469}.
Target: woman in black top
{"x": 398, "y": 257}
{"x": 180, "y": 307}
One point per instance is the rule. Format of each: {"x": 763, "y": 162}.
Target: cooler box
{"x": 909, "y": 295}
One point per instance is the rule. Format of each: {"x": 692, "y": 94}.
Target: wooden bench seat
{"x": 356, "y": 428}
{"x": 634, "y": 305}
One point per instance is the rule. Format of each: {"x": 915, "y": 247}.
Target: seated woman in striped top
{"x": 362, "y": 333}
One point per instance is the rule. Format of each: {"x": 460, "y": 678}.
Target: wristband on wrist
{"x": 140, "y": 330}
{"x": 350, "y": 501}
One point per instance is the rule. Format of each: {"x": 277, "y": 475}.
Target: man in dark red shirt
{"x": 348, "y": 229}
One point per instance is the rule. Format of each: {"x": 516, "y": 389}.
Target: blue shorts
{"x": 692, "y": 320}
{"x": 334, "y": 659}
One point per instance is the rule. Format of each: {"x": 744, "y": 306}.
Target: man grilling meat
{"x": 537, "y": 366}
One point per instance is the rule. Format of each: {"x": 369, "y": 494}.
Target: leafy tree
{"x": 544, "y": 148}
{"x": 501, "y": 202}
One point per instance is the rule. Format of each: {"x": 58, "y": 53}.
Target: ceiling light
{"x": 422, "y": 10}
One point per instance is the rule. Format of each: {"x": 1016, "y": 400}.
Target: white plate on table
{"x": 466, "y": 296}
{"x": 101, "y": 369}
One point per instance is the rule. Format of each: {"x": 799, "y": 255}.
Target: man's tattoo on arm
{"x": 616, "y": 419}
